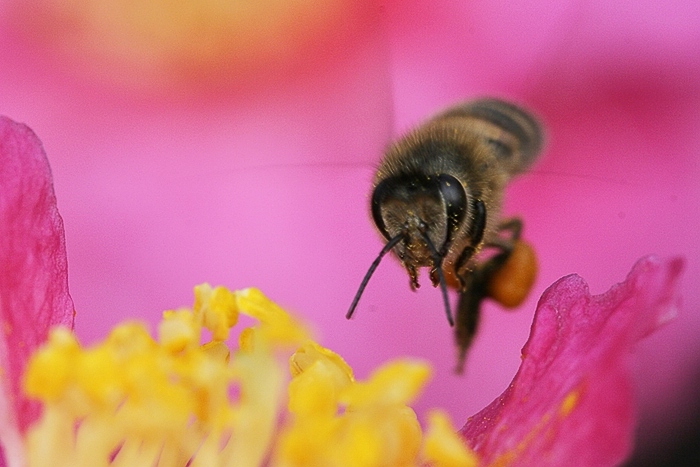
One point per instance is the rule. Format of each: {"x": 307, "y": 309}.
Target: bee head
{"x": 415, "y": 213}
{"x": 425, "y": 208}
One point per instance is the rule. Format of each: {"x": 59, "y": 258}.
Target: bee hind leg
{"x": 473, "y": 292}
{"x": 475, "y": 288}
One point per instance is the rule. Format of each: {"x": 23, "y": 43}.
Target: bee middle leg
{"x": 475, "y": 286}
{"x": 513, "y": 227}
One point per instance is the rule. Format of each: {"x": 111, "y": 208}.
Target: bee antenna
{"x": 391, "y": 244}
{"x": 437, "y": 259}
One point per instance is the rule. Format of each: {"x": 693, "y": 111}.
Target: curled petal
{"x": 33, "y": 269}
{"x": 572, "y": 402}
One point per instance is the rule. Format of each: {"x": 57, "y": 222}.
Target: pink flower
{"x": 570, "y": 403}
{"x": 159, "y": 181}
{"x": 33, "y": 275}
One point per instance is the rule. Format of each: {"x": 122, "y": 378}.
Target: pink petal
{"x": 572, "y": 402}
{"x": 33, "y": 268}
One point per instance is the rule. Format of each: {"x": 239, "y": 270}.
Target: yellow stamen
{"x": 444, "y": 447}
{"x": 216, "y": 309}
{"x": 132, "y": 400}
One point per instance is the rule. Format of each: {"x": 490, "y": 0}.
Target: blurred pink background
{"x": 259, "y": 174}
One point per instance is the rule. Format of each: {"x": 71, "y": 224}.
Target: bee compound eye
{"x": 455, "y": 198}
{"x": 379, "y": 194}
{"x": 405, "y": 188}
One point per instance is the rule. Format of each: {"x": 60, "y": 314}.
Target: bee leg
{"x": 475, "y": 285}
{"x": 413, "y": 275}
{"x": 475, "y": 288}
{"x": 505, "y": 244}
{"x": 513, "y": 228}
{"x": 471, "y": 295}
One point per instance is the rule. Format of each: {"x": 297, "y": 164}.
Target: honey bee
{"x": 437, "y": 201}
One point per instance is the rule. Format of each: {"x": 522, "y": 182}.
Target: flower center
{"x": 134, "y": 400}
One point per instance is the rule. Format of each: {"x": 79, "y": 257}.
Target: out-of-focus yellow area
{"x": 132, "y": 41}
{"x": 133, "y": 400}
